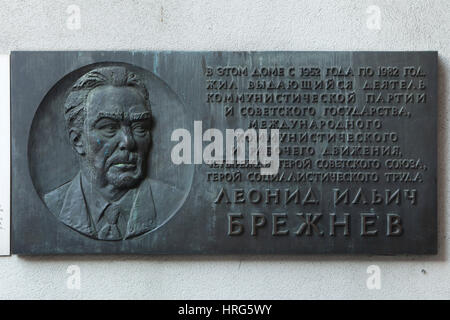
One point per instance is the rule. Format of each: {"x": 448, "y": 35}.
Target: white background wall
{"x": 234, "y": 25}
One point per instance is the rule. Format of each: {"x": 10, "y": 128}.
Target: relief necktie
{"x": 110, "y": 231}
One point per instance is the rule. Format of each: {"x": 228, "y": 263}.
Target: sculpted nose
{"x": 127, "y": 141}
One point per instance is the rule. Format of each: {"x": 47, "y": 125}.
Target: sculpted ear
{"x": 76, "y": 141}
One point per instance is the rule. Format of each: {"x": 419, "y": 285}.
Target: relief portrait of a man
{"x": 108, "y": 121}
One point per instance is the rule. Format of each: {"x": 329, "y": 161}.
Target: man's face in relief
{"x": 116, "y": 136}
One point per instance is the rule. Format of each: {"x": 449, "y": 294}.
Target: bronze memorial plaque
{"x": 165, "y": 152}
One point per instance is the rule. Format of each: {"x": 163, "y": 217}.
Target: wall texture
{"x": 234, "y": 25}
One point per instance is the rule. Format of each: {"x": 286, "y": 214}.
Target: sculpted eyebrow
{"x": 108, "y": 115}
{"x": 118, "y": 116}
{"x": 139, "y": 116}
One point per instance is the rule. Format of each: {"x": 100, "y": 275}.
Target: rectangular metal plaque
{"x": 224, "y": 152}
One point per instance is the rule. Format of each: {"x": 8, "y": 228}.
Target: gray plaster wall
{"x": 234, "y": 25}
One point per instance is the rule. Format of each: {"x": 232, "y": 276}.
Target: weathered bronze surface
{"x": 98, "y": 137}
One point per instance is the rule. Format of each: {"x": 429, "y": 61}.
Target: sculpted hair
{"x": 118, "y": 76}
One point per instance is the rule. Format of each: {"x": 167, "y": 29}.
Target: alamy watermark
{"x": 73, "y": 21}
{"x": 373, "y": 21}
{"x": 263, "y": 147}
{"x": 373, "y": 282}
{"x": 73, "y": 282}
